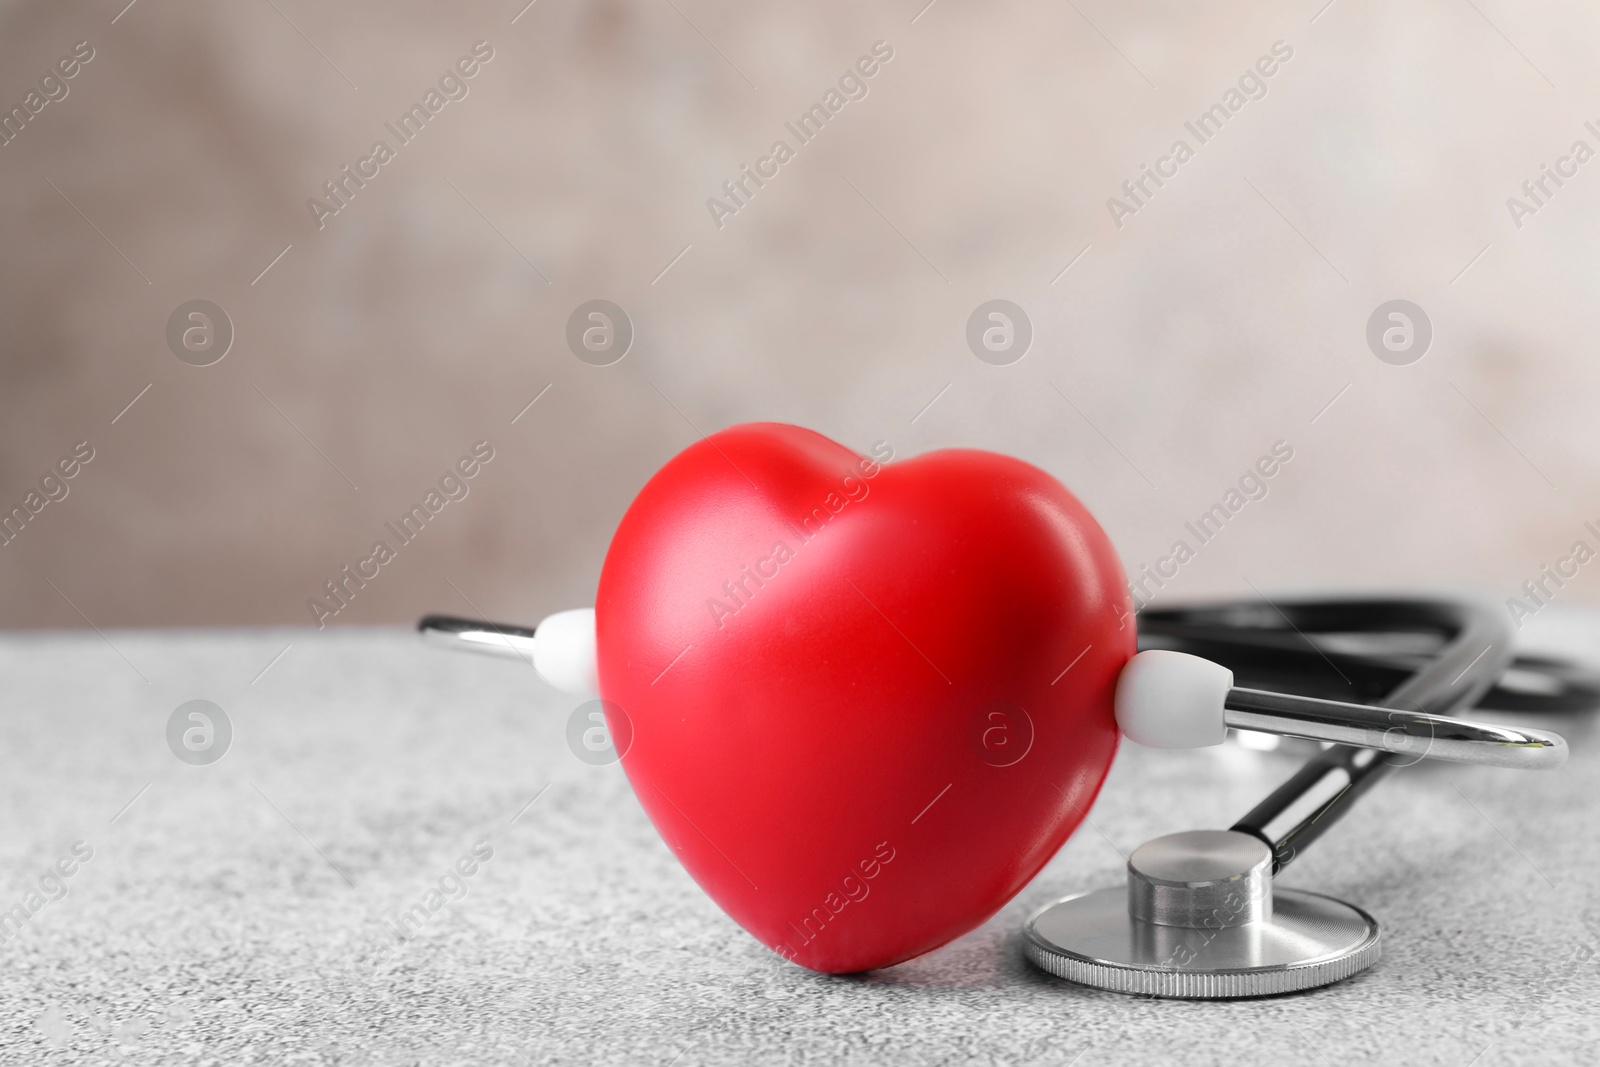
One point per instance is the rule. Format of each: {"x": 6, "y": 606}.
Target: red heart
{"x": 868, "y": 702}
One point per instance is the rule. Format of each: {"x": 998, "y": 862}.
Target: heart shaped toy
{"x": 868, "y": 702}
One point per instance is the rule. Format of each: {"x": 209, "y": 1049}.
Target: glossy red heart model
{"x": 868, "y": 701}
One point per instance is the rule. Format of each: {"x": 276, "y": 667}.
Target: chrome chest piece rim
{"x": 1200, "y": 918}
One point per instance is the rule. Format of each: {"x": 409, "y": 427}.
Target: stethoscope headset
{"x": 1377, "y": 682}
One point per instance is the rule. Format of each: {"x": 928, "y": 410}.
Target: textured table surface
{"x": 238, "y": 913}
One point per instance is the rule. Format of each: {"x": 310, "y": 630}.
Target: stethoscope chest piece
{"x": 1201, "y": 918}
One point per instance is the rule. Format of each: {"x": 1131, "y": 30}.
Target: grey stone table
{"x": 242, "y": 912}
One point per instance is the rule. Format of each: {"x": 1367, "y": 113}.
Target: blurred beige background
{"x": 426, "y": 315}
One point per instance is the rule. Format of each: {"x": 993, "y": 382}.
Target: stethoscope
{"x": 1200, "y": 916}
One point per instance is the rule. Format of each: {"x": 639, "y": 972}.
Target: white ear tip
{"x": 564, "y": 652}
{"x": 1173, "y": 700}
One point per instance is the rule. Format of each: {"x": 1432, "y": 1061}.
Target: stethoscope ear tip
{"x": 1167, "y": 699}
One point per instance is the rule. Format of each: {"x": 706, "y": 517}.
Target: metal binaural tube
{"x": 490, "y": 638}
{"x": 1404, "y": 733}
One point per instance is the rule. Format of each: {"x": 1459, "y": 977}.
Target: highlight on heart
{"x": 852, "y": 488}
